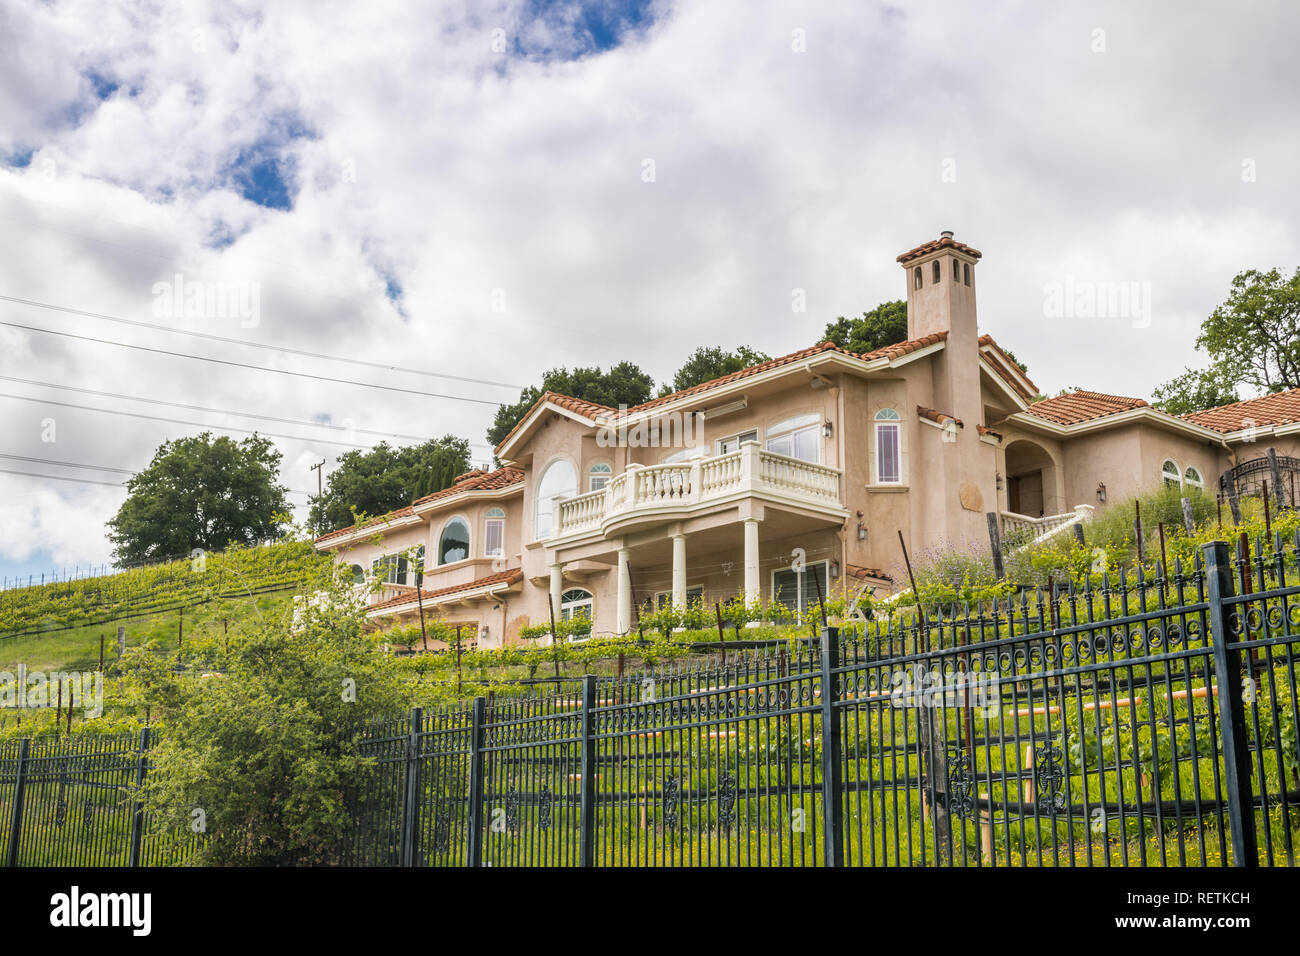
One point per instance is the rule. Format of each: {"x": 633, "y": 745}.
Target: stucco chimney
{"x": 941, "y": 287}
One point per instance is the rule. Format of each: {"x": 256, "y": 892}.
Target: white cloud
{"x": 417, "y": 154}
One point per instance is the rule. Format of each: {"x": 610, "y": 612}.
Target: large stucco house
{"x": 822, "y": 455}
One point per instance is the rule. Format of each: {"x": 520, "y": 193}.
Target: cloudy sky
{"x": 487, "y": 190}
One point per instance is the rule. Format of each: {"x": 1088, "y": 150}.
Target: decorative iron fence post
{"x": 474, "y": 850}
{"x": 832, "y": 803}
{"x": 587, "y": 798}
{"x": 137, "y": 817}
{"x": 1232, "y": 717}
{"x": 16, "y": 817}
{"x": 411, "y": 792}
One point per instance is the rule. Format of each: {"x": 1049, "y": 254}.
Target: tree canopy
{"x": 706, "y": 364}
{"x": 1252, "y": 341}
{"x": 886, "y": 324}
{"x": 384, "y": 478}
{"x": 624, "y": 384}
{"x": 200, "y": 492}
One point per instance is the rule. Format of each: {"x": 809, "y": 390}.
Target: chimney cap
{"x": 946, "y": 234}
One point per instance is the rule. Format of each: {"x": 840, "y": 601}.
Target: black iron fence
{"x": 1143, "y": 723}
{"x": 74, "y": 801}
{"x": 1147, "y": 722}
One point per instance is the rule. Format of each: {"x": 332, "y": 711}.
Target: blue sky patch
{"x": 590, "y": 26}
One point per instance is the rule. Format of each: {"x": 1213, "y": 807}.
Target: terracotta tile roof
{"x": 477, "y": 480}
{"x": 939, "y": 418}
{"x": 1082, "y": 406}
{"x": 406, "y": 512}
{"x": 1006, "y": 367}
{"x": 985, "y": 430}
{"x": 934, "y": 245}
{"x": 513, "y": 576}
{"x": 855, "y": 571}
{"x": 1280, "y": 408}
{"x": 897, "y": 350}
{"x": 603, "y": 413}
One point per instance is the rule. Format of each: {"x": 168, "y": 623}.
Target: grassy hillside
{"x": 60, "y": 625}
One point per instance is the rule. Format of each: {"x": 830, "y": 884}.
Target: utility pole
{"x": 320, "y": 470}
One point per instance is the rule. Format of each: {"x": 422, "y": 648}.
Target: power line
{"x": 218, "y": 411}
{"x": 67, "y": 464}
{"x": 254, "y": 345}
{"x": 178, "y": 421}
{"x": 90, "y": 481}
{"x": 256, "y": 368}
{"x": 84, "y": 481}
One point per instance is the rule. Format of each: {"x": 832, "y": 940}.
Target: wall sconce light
{"x": 835, "y": 569}
{"x": 862, "y": 531}
{"x": 998, "y": 476}
{"x": 1101, "y": 491}
{"x": 828, "y": 429}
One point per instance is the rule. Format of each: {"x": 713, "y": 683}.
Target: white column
{"x": 679, "y": 571}
{"x": 624, "y": 591}
{"x": 557, "y": 588}
{"x": 753, "y": 588}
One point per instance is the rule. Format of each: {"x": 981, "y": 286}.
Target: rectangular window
{"x": 494, "y": 538}
{"x": 798, "y": 590}
{"x": 728, "y": 445}
{"x": 390, "y": 569}
{"x": 597, "y": 482}
{"x": 664, "y": 598}
{"x": 888, "y": 467}
{"x": 804, "y": 444}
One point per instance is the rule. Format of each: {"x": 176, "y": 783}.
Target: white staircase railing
{"x": 1042, "y": 528}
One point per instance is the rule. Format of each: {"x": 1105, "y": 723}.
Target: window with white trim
{"x": 576, "y": 603}
{"x": 397, "y": 568}
{"x": 453, "y": 543}
{"x": 733, "y": 442}
{"x": 665, "y": 598}
{"x": 559, "y": 480}
{"x": 889, "y": 462}
{"x": 598, "y": 476}
{"x": 798, "y": 437}
{"x": 798, "y": 589}
{"x": 1193, "y": 477}
{"x": 1170, "y": 474}
{"x": 494, "y": 533}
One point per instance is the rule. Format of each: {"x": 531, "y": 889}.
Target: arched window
{"x": 575, "y": 603}
{"x": 938, "y": 273}
{"x": 560, "y": 480}
{"x": 889, "y": 464}
{"x": 453, "y": 543}
{"x": 916, "y": 278}
{"x": 956, "y": 271}
{"x": 494, "y": 533}
{"x": 965, "y": 270}
{"x": 1193, "y": 477}
{"x": 598, "y": 476}
{"x": 1170, "y": 474}
{"x": 358, "y": 574}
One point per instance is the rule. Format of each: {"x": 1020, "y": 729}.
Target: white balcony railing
{"x": 1033, "y": 530}
{"x": 647, "y": 488}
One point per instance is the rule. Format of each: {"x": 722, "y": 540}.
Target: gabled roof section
{"x": 477, "y": 481}
{"x": 1083, "y": 406}
{"x": 603, "y": 414}
{"x": 590, "y": 411}
{"x": 1280, "y": 408}
{"x": 1006, "y": 367}
{"x": 393, "y": 517}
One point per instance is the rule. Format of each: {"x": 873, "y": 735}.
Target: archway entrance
{"x": 1031, "y": 479}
